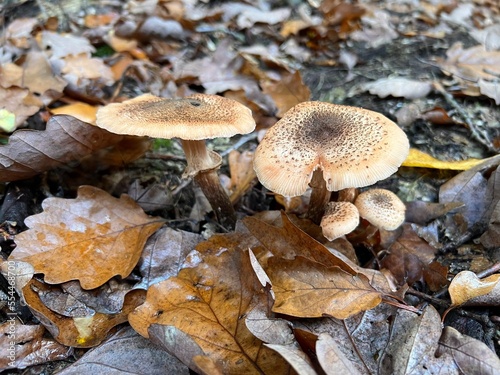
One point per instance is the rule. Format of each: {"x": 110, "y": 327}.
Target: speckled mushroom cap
{"x": 196, "y": 117}
{"x": 381, "y": 208}
{"x": 354, "y": 147}
{"x": 340, "y": 218}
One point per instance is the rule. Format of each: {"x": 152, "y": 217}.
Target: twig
{"x": 480, "y": 136}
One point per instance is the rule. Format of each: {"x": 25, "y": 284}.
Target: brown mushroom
{"x": 192, "y": 119}
{"x": 382, "y": 208}
{"x": 331, "y": 146}
{"x": 340, "y": 218}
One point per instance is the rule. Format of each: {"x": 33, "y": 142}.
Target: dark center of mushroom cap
{"x": 354, "y": 148}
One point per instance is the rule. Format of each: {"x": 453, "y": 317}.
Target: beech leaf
{"x": 91, "y": 238}
{"x": 30, "y": 152}
{"x": 308, "y": 289}
{"x": 208, "y": 302}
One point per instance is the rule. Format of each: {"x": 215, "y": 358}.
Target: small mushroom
{"x": 331, "y": 147}
{"x": 340, "y": 218}
{"x": 192, "y": 119}
{"x": 382, "y": 208}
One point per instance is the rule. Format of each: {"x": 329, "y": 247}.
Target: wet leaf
{"x": 207, "y": 302}
{"x": 91, "y": 238}
{"x": 81, "y": 111}
{"x": 466, "y": 285}
{"x": 83, "y": 331}
{"x": 126, "y": 352}
{"x": 30, "y": 152}
{"x": 308, "y": 289}
{"x": 470, "y": 355}
{"x": 295, "y": 357}
{"x": 30, "y": 347}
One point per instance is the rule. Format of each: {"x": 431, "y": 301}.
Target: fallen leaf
{"x": 126, "y": 352}
{"x": 59, "y": 45}
{"x": 289, "y": 91}
{"x": 408, "y": 257}
{"x": 81, "y": 111}
{"x": 20, "y": 103}
{"x": 90, "y": 239}
{"x": 24, "y": 345}
{"x": 295, "y": 357}
{"x": 471, "y": 356}
{"x": 412, "y": 344}
{"x": 398, "y": 87}
{"x": 164, "y": 254}
{"x": 304, "y": 288}
{"x": 30, "y": 152}
{"x": 83, "y": 331}
{"x": 332, "y": 360}
{"x": 417, "y": 158}
{"x": 206, "y": 301}
{"x": 466, "y": 285}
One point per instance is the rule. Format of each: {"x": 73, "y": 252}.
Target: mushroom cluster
{"x": 330, "y": 148}
{"x": 192, "y": 119}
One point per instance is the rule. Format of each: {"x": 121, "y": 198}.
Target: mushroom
{"x": 332, "y": 147}
{"x": 192, "y": 119}
{"x": 340, "y": 218}
{"x": 382, "y": 208}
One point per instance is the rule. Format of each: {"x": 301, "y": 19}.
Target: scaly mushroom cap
{"x": 340, "y": 218}
{"x": 196, "y": 117}
{"x": 354, "y": 147}
{"x": 382, "y": 208}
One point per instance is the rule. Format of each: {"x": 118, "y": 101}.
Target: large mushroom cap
{"x": 196, "y": 117}
{"x": 354, "y": 147}
{"x": 381, "y": 208}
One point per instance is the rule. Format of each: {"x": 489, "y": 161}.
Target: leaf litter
{"x": 273, "y": 295}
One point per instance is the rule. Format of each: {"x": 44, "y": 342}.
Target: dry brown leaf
{"x": 289, "y": 241}
{"x": 470, "y": 355}
{"x": 30, "y": 152}
{"x": 82, "y": 111}
{"x": 20, "y": 102}
{"x": 295, "y": 357}
{"x": 126, "y": 352}
{"x": 308, "y": 289}
{"x": 207, "y": 301}
{"x": 84, "y": 331}
{"x": 60, "y": 45}
{"x": 289, "y": 91}
{"x": 466, "y": 285}
{"x": 30, "y": 347}
{"x": 91, "y": 238}
{"x": 409, "y": 257}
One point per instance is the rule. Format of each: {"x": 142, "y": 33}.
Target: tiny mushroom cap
{"x": 381, "y": 208}
{"x": 340, "y": 218}
{"x": 353, "y": 147}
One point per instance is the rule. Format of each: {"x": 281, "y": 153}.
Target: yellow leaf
{"x": 82, "y": 111}
{"x": 420, "y": 159}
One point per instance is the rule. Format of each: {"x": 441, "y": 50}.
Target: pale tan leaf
{"x": 466, "y": 285}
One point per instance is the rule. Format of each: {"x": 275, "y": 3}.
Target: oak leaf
{"x": 91, "y": 238}
{"x": 308, "y": 289}
{"x": 466, "y": 285}
{"x": 208, "y": 302}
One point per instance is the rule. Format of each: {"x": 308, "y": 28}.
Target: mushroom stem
{"x": 202, "y": 165}
{"x": 320, "y": 196}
